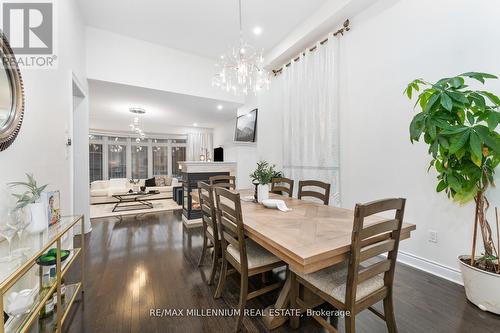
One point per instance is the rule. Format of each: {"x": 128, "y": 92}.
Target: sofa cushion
{"x": 102, "y": 192}
{"x": 160, "y": 180}
{"x": 118, "y": 183}
{"x": 161, "y": 189}
{"x": 99, "y": 185}
{"x": 150, "y": 182}
{"x": 168, "y": 181}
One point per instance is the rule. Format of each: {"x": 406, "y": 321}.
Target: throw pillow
{"x": 150, "y": 182}
{"x": 168, "y": 181}
{"x": 160, "y": 180}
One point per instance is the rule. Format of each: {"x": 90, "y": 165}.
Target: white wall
{"x": 117, "y": 58}
{"x": 390, "y": 44}
{"x": 40, "y": 147}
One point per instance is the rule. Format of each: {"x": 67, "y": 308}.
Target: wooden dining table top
{"x": 310, "y": 237}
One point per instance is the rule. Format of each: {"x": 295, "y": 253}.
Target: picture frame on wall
{"x": 246, "y": 127}
{"x": 52, "y": 203}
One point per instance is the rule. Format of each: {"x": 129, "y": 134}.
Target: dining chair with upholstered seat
{"x": 351, "y": 286}
{"x": 278, "y": 186}
{"x": 210, "y": 230}
{"x": 324, "y": 195}
{"x": 228, "y": 182}
{"x": 247, "y": 257}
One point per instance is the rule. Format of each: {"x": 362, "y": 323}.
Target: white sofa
{"x": 102, "y": 191}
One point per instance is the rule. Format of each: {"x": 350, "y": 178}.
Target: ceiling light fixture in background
{"x": 241, "y": 70}
{"x": 136, "y": 124}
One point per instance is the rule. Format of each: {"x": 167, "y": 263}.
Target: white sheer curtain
{"x": 310, "y": 121}
{"x": 197, "y": 143}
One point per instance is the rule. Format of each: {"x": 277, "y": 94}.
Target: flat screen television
{"x": 246, "y": 126}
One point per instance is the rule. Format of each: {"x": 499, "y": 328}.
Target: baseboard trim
{"x": 431, "y": 267}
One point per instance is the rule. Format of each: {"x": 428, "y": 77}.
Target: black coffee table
{"x": 138, "y": 198}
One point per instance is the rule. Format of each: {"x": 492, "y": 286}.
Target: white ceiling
{"x": 110, "y": 103}
{"x": 202, "y": 27}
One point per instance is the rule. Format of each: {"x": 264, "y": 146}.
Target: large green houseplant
{"x": 460, "y": 126}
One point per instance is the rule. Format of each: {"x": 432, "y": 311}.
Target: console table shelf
{"x": 14, "y": 271}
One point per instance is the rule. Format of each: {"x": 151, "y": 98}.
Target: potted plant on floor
{"x": 262, "y": 177}
{"x": 460, "y": 126}
{"x": 31, "y": 198}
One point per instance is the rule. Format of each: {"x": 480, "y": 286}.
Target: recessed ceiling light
{"x": 195, "y": 124}
{"x": 219, "y": 107}
{"x": 257, "y": 31}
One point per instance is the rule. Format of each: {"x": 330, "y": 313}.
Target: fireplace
{"x": 192, "y": 173}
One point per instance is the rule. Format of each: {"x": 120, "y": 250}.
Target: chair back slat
{"x": 324, "y": 195}
{"x": 376, "y": 249}
{"x": 207, "y": 204}
{"x": 277, "y": 186}
{"x": 379, "y": 228}
{"x": 230, "y": 221}
{"x": 373, "y": 270}
{"x": 367, "y": 243}
{"x": 227, "y": 182}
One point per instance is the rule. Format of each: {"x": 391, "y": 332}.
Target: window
{"x": 160, "y": 161}
{"x": 117, "y": 160}
{"x": 139, "y": 162}
{"x": 95, "y": 161}
{"x": 178, "y": 155}
{"x": 122, "y": 157}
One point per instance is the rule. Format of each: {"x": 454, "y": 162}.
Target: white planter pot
{"x": 38, "y": 218}
{"x": 482, "y": 288}
{"x": 262, "y": 193}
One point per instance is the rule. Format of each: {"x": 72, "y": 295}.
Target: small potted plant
{"x": 30, "y": 199}
{"x": 460, "y": 127}
{"x": 262, "y": 177}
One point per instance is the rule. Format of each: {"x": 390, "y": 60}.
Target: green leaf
{"x": 479, "y": 76}
{"x": 441, "y": 186}
{"x": 459, "y": 141}
{"x": 454, "y": 130}
{"x": 475, "y": 145}
{"x": 457, "y": 82}
{"x": 488, "y": 137}
{"x": 459, "y": 97}
{"x": 492, "y": 97}
{"x": 431, "y": 102}
{"x": 446, "y": 102}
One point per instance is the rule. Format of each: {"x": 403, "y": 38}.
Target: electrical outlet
{"x": 433, "y": 236}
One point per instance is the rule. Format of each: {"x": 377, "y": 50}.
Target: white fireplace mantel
{"x": 201, "y": 167}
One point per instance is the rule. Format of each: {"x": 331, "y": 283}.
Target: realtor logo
{"x": 29, "y": 27}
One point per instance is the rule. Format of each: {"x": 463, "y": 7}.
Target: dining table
{"x": 309, "y": 237}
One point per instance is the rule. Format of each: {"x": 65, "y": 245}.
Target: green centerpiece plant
{"x": 459, "y": 124}
{"x": 262, "y": 176}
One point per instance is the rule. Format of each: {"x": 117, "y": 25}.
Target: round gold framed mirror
{"x": 11, "y": 96}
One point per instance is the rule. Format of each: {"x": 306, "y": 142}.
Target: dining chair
{"x": 277, "y": 186}
{"x": 210, "y": 230}
{"x": 245, "y": 256}
{"x": 228, "y": 182}
{"x": 325, "y": 196}
{"x": 350, "y": 286}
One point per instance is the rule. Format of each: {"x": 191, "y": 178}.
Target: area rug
{"x": 106, "y": 210}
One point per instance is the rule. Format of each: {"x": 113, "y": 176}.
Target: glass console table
{"x": 22, "y": 272}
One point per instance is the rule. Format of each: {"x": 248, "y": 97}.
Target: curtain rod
{"x": 345, "y": 28}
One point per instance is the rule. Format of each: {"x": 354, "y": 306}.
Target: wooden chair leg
{"x": 203, "y": 250}
{"x": 222, "y": 278}
{"x": 350, "y": 324}
{"x": 294, "y": 293}
{"x": 390, "y": 318}
{"x": 215, "y": 263}
{"x": 243, "y": 301}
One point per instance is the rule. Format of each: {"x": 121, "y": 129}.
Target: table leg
{"x": 282, "y": 302}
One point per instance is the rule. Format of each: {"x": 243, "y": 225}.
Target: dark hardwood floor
{"x": 135, "y": 265}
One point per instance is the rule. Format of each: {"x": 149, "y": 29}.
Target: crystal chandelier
{"x": 241, "y": 70}
{"x": 136, "y": 124}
